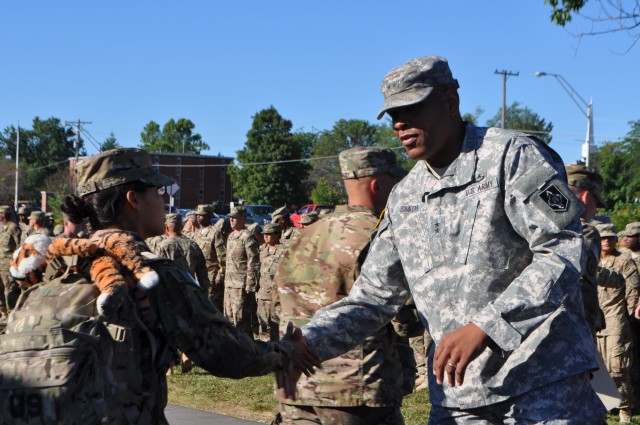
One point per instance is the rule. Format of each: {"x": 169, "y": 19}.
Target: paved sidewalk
{"x": 178, "y": 415}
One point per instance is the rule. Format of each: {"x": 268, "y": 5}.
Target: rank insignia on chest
{"x": 554, "y": 199}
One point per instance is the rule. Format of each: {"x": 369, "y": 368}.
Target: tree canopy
{"x": 521, "y": 118}
{"x": 175, "y": 136}
{"x": 110, "y": 143}
{"x": 261, "y": 174}
{"x": 44, "y": 150}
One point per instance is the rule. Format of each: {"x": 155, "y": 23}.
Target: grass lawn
{"x": 252, "y": 398}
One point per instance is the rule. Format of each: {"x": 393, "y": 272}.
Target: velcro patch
{"x": 554, "y": 199}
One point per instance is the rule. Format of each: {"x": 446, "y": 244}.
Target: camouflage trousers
{"x": 361, "y": 415}
{"x": 570, "y": 401}
{"x": 216, "y": 293}
{"x": 617, "y": 354}
{"x": 240, "y": 309}
{"x": 9, "y": 288}
{"x": 267, "y": 320}
{"x": 421, "y": 345}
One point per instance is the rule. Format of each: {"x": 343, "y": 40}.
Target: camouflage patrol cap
{"x": 116, "y": 167}
{"x": 309, "y": 218}
{"x": 36, "y": 215}
{"x": 238, "y": 212}
{"x": 173, "y": 219}
{"x": 204, "y": 209}
{"x": 412, "y": 82}
{"x": 361, "y": 162}
{"x": 190, "y": 213}
{"x": 280, "y": 212}
{"x": 588, "y": 178}
{"x": 255, "y": 229}
{"x": 632, "y": 229}
{"x": 271, "y": 228}
{"x": 6, "y": 209}
{"x": 607, "y": 230}
{"x": 23, "y": 210}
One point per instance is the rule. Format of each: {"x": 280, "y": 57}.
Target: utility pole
{"x": 505, "y": 74}
{"x": 15, "y": 200}
{"x": 76, "y": 146}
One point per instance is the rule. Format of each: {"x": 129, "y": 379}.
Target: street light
{"x": 589, "y": 142}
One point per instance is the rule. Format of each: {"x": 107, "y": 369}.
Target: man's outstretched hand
{"x": 303, "y": 360}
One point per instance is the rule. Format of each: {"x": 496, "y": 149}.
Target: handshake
{"x": 302, "y": 359}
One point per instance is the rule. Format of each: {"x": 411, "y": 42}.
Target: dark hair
{"x": 101, "y": 208}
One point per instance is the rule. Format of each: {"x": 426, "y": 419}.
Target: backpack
{"x": 56, "y": 354}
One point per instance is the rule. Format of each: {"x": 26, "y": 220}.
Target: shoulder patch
{"x": 554, "y": 198}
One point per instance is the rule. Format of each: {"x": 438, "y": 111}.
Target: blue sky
{"x": 121, "y": 64}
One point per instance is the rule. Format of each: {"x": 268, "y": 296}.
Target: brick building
{"x": 203, "y": 179}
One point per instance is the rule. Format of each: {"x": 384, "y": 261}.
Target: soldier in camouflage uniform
{"x": 242, "y": 273}
{"x": 205, "y": 238}
{"x": 586, "y": 183}
{"x": 183, "y": 251}
{"x": 23, "y": 222}
{"x": 190, "y": 224}
{"x": 172, "y": 314}
{"x": 631, "y": 236}
{"x": 364, "y": 386}
{"x": 256, "y": 230}
{"x": 486, "y": 236}
{"x": 270, "y": 254}
{"x": 618, "y": 281}
{"x": 289, "y": 231}
{"x": 37, "y": 224}
{"x": 9, "y": 240}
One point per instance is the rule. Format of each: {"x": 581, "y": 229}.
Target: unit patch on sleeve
{"x": 554, "y": 199}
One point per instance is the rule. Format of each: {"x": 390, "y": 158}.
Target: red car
{"x": 295, "y": 217}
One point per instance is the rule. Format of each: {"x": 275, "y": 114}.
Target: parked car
{"x": 260, "y": 214}
{"x": 295, "y": 217}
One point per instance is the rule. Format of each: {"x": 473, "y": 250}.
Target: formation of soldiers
{"x": 233, "y": 262}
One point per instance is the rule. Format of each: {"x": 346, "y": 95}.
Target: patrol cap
{"x": 204, "y": 209}
{"x": 23, "y": 210}
{"x": 588, "y": 178}
{"x": 238, "y": 212}
{"x": 412, "y": 82}
{"x": 255, "y": 229}
{"x": 6, "y": 209}
{"x": 173, "y": 218}
{"x": 361, "y": 162}
{"x": 190, "y": 213}
{"x": 117, "y": 167}
{"x": 280, "y": 212}
{"x": 36, "y": 215}
{"x": 271, "y": 228}
{"x": 607, "y": 230}
{"x": 309, "y": 218}
{"x": 632, "y": 229}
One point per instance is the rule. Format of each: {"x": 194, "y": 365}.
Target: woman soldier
{"x": 121, "y": 191}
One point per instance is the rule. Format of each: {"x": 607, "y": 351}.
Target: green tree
{"x": 473, "y": 117}
{"x": 176, "y": 136}
{"x": 521, "y": 118}
{"x": 347, "y": 134}
{"x": 44, "y": 150}
{"x": 617, "y": 162}
{"x": 110, "y": 143}
{"x": 268, "y": 169}
{"x": 324, "y": 194}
